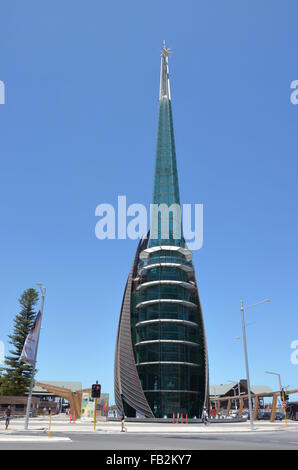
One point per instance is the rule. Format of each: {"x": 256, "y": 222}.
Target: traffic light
{"x": 284, "y": 396}
{"x": 96, "y": 390}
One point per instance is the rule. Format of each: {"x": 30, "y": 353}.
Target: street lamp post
{"x": 277, "y": 375}
{"x": 246, "y": 358}
{"x": 43, "y": 293}
{"x": 246, "y": 365}
{"x": 239, "y": 392}
{"x": 281, "y": 391}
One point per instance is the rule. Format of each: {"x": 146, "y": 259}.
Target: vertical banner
{"x": 30, "y": 345}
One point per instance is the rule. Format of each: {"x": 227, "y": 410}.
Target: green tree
{"x": 1, "y": 378}
{"x": 16, "y": 378}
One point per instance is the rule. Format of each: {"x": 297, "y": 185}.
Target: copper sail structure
{"x": 161, "y": 360}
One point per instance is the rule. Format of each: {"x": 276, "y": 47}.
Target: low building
{"x": 18, "y": 405}
{"x": 235, "y": 389}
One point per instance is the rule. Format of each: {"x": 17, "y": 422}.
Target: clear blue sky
{"x": 79, "y": 128}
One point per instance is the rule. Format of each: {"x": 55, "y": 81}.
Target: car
{"x": 264, "y": 415}
{"x": 279, "y": 416}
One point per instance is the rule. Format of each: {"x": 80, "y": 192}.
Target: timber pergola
{"x": 255, "y": 396}
{"x": 74, "y": 398}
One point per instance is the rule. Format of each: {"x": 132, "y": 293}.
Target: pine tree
{"x": 1, "y": 378}
{"x": 17, "y": 376}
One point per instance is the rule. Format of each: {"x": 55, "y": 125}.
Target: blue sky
{"x": 79, "y": 128}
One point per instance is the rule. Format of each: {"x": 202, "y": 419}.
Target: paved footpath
{"x": 61, "y": 425}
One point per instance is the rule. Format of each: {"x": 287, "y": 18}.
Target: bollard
{"x": 50, "y": 424}
{"x": 186, "y": 419}
{"x": 173, "y": 418}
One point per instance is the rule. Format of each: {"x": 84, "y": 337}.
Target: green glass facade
{"x": 168, "y": 335}
{"x": 166, "y": 187}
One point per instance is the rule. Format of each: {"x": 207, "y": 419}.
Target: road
{"x": 137, "y": 441}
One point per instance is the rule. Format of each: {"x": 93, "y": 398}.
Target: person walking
{"x": 205, "y": 416}
{"x": 123, "y": 427}
{"x": 7, "y": 416}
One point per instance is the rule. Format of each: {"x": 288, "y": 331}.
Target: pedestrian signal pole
{"x": 96, "y": 392}
{"x": 95, "y": 411}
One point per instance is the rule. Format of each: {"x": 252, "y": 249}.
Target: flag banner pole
{"x": 30, "y": 349}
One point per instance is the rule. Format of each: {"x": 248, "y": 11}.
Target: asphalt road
{"x": 283, "y": 440}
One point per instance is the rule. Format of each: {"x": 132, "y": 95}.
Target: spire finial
{"x": 166, "y": 51}
{"x": 164, "y": 91}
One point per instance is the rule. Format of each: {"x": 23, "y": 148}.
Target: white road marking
{"x": 33, "y": 439}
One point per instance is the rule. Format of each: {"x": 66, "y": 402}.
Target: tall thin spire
{"x": 161, "y": 360}
{"x": 164, "y": 89}
{"x": 166, "y": 187}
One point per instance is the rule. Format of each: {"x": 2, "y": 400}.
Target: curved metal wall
{"x": 127, "y": 384}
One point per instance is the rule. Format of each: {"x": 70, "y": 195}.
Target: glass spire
{"x": 161, "y": 361}
{"x": 166, "y": 187}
